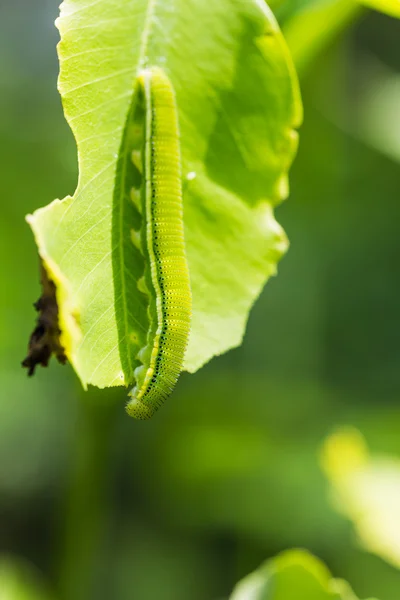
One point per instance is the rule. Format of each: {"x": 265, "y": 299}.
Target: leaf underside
{"x": 238, "y": 107}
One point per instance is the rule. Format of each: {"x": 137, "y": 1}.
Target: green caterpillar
{"x": 161, "y": 240}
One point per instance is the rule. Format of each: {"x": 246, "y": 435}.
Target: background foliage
{"x": 228, "y": 473}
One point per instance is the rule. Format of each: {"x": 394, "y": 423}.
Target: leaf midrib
{"x": 150, "y": 12}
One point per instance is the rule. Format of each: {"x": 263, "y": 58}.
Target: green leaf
{"x": 391, "y": 7}
{"x": 292, "y": 575}
{"x": 376, "y": 121}
{"x": 378, "y": 111}
{"x": 238, "y": 105}
{"x": 286, "y": 10}
{"x": 367, "y": 490}
{"x": 301, "y": 23}
{"x": 19, "y": 581}
{"x": 303, "y": 33}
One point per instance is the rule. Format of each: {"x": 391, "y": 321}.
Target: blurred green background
{"x": 227, "y": 474}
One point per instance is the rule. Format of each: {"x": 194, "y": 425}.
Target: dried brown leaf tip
{"x": 45, "y": 339}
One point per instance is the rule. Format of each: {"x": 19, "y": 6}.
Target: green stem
{"x": 85, "y": 524}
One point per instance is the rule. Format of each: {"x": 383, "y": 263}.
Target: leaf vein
{"x": 98, "y": 80}
{"x": 93, "y": 51}
{"x": 105, "y": 358}
{"x": 94, "y": 269}
{"x": 98, "y": 106}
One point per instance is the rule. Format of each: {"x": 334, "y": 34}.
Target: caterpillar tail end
{"x": 138, "y": 409}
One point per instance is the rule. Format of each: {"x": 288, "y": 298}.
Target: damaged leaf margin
{"x": 67, "y": 313}
{"x": 238, "y": 108}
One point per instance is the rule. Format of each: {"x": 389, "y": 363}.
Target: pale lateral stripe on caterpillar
{"x": 162, "y": 240}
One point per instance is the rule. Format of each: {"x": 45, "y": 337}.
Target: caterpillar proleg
{"x": 166, "y": 275}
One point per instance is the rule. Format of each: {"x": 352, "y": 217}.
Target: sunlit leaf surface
{"x": 19, "y": 581}
{"x": 238, "y": 105}
{"x": 391, "y": 7}
{"x": 293, "y": 575}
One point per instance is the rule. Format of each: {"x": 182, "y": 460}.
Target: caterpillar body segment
{"x": 166, "y": 270}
